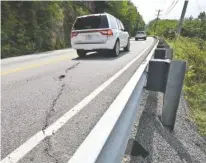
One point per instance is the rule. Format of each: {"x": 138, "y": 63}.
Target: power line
{"x": 172, "y": 7}
{"x": 198, "y": 6}
{"x": 169, "y": 7}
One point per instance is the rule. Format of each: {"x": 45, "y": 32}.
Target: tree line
{"x": 192, "y": 27}
{"x": 35, "y": 26}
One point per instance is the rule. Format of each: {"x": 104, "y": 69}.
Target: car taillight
{"x": 73, "y": 34}
{"x": 107, "y": 32}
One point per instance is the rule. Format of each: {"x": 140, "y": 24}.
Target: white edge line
{"x": 22, "y": 150}
{"x": 91, "y": 147}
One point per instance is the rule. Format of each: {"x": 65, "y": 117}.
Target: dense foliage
{"x": 193, "y": 50}
{"x": 191, "y": 46}
{"x": 29, "y": 27}
{"x": 195, "y": 27}
{"x": 192, "y": 27}
{"x": 165, "y": 28}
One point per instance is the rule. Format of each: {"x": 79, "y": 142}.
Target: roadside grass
{"x": 193, "y": 50}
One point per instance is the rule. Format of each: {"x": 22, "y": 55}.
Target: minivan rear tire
{"x": 115, "y": 52}
{"x": 81, "y": 53}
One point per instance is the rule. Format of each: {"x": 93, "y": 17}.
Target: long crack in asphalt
{"x": 72, "y": 67}
{"x": 51, "y": 111}
{"x": 48, "y": 150}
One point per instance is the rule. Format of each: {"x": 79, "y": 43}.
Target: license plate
{"x": 87, "y": 48}
{"x": 88, "y": 37}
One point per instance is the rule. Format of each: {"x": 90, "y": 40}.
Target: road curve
{"x": 37, "y": 90}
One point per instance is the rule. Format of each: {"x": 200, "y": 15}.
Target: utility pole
{"x": 182, "y": 17}
{"x": 137, "y": 27}
{"x": 158, "y": 14}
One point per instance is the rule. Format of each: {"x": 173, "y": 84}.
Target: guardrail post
{"x": 166, "y": 76}
{"x": 173, "y": 93}
{"x": 157, "y": 75}
{"x": 160, "y": 53}
{"x": 163, "y": 53}
{"x": 169, "y": 53}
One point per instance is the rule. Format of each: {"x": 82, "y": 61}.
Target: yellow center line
{"x": 26, "y": 67}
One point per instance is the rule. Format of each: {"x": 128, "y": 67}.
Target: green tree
{"x": 36, "y": 26}
{"x": 29, "y": 27}
{"x": 123, "y": 10}
{"x": 165, "y": 28}
{"x": 192, "y": 27}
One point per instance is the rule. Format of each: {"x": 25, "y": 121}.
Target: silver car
{"x": 140, "y": 35}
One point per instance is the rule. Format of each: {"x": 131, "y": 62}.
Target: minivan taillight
{"x": 73, "y": 34}
{"x": 107, "y": 32}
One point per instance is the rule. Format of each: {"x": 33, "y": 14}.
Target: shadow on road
{"x": 101, "y": 56}
{"x": 142, "y": 149}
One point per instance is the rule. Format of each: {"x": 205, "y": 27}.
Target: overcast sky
{"x": 147, "y": 8}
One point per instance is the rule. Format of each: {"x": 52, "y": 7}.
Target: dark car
{"x": 141, "y": 35}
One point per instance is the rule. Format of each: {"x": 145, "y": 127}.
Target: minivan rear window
{"x": 140, "y": 32}
{"x": 91, "y": 22}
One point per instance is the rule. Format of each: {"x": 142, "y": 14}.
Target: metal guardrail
{"x": 167, "y": 76}
{"x": 107, "y": 141}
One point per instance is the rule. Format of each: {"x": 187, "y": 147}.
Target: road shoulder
{"x": 151, "y": 142}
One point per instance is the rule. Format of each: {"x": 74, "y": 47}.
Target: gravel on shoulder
{"x": 151, "y": 142}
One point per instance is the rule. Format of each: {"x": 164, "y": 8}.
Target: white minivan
{"x": 99, "y": 32}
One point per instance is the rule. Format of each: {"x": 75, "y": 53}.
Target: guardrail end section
{"x": 173, "y": 93}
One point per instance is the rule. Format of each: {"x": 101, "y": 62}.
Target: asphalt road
{"x": 39, "y": 89}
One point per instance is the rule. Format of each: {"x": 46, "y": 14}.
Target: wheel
{"x": 136, "y": 39}
{"x": 115, "y": 51}
{"x": 127, "y": 48}
{"x": 81, "y": 53}
{"x": 145, "y": 38}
